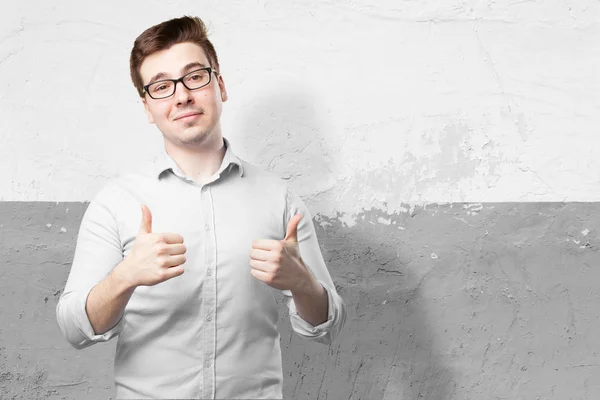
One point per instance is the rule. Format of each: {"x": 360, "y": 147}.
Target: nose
{"x": 182, "y": 94}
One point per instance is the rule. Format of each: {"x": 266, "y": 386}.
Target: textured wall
{"x": 448, "y": 302}
{"x": 360, "y": 105}
{"x": 447, "y": 150}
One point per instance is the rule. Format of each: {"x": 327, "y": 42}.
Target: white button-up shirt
{"x": 211, "y": 332}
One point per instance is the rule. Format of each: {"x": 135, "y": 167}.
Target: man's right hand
{"x": 154, "y": 257}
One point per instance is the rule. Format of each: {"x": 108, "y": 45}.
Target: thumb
{"x": 292, "y": 229}
{"x": 146, "y": 225}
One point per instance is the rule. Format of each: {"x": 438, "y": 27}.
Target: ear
{"x": 147, "y": 109}
{"x": 224, "y": 96}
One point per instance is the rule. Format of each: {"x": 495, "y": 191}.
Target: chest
{"x": 218, "y": 228}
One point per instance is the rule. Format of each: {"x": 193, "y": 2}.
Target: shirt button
{"x": 207, "y": 364}
{"x": 208, "y": 318}
{"x": 209, "y": 272}
{"x": 207, "y": 227}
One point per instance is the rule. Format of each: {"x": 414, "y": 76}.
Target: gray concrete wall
{"x": 461, "y": 301}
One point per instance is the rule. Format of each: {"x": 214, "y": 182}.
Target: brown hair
{"x": 163, "y": 36}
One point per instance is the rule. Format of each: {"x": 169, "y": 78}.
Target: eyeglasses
{"x": 192, "y": 81}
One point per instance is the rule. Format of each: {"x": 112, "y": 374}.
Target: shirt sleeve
{"x": 97, "y": 252}
{"x": 311, "y": 255}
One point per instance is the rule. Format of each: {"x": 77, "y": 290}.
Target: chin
{"x": 189, "y": 136}
{"x": 194, "y": 136}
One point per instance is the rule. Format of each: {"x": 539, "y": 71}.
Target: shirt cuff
{"x": 83, "y": 324}
{"x": 305, "y": 328}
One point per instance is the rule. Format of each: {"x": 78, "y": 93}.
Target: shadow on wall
{"x": 387, "y": 349}
{"x": 283, "y": 128}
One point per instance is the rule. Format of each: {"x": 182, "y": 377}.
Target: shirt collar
{"x": 165, "y": 162}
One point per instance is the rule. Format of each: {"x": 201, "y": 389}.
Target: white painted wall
{"x": 361, "y": 105}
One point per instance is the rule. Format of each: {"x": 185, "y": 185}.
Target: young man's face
{"x": 188, "y": 117}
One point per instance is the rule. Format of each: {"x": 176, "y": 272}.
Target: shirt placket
{"x": 209, "y": 294}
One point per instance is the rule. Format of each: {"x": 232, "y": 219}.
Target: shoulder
{"x": 122, "y": 189}
{"x": 268, "y": 181}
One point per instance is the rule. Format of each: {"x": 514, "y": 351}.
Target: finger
{"x": 292, "y": 229}
{"x": 173, "y": 272}
{"x": 173, "y": 261}
{"x": 260, "y": 265}
{"x": 260, "y": 275}
{"x": 172, "y": 238}
{"x": 261, "y": 255}
{"x": 146, "y": 224}
{"x": 266, "y": 244}
{"x": 176, "y": 249}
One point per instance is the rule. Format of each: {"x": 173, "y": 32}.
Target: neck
{"x": 201, "y": 161}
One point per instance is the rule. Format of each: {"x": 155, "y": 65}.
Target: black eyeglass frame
{"x": 175, "y": 81}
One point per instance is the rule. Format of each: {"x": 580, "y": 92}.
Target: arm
{"x": 318, "y": 312}
{"x": 97, "y": 251}
{"x": 311, "y": 301}
{"x": 107, "y": 300}
{"x": 87, "y": 308}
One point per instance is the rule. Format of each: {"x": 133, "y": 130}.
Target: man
{"x": 182, "y": 261}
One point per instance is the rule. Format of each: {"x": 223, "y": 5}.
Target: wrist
{"x": 308, "y": 286}
{"x": 121, "y": 279}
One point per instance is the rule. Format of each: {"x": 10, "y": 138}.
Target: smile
{"x": 188, "y": 117}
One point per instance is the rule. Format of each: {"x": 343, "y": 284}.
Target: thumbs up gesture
{"x": 278, "y": 263}
{"x": 154, "y": 257}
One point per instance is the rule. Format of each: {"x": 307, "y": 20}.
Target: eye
{"x": 160, "y": 87}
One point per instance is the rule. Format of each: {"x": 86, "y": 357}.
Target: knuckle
{"x": 160, "y": 248}
{"x": 162, "y": 261}
{"x": 162, "y": 274}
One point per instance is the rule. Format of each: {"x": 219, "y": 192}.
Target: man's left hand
{"x": 278, "y": 263}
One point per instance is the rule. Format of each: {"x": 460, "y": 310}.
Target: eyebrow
{"x": 184, "y": 70}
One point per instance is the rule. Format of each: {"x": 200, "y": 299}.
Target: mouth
{"x": 188, "y": 116}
